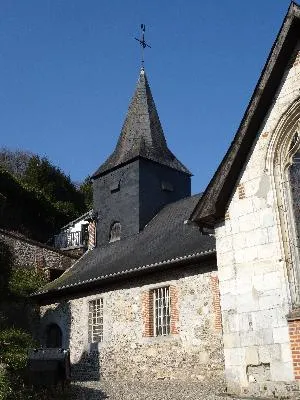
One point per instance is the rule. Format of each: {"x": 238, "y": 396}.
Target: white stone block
{"x": 267, "y": 218}
{"x": 231, "y": 340}
{"x": 261, "y": 237}
{"x": 231, "y": 322}
{"x": 246, "y": 255}
{"x": 281, "y": 334}
{"x": 268, "y": 251}
{"x": 225, "y": 259}
{"x": 270, "y": 299}
{"x": 251, "y": 355}
{"x": 247, "y": 303}
{"x": 239, "y": 241}
{"x": 228, "y": 286}
{"x": 224, "y": 244}
{"x": 286, "y": 355}
{"x": 265, "y": 336}
{"x": 244, "y": 322}
{"x": 228, "y": 302}
{"x": 248, "y": 222}
{"x": 234, "y": 356}
{"x": 226, "y": 272}
{"x": 281, "y": 371}
{"x": 250, "y": 338}
{"x": 263, "y": 319}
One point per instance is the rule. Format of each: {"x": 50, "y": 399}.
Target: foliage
{"x": 24, "y": 281}
{"x": 14, "y": 344}
{"x": 6, "y": 263}
{"x": 28, "y": 211}
{"x": 14, "y": 161}
{"x": 36, "y": 197}
{"x": 86, "y": 188}
{"x": 56, "y": 186}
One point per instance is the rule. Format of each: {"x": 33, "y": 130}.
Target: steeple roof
{"x": 142, "y": 134}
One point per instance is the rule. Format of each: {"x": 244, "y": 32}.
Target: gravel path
{"x": 157, "y": 390}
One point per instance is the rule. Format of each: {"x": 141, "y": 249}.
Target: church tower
{"x": 141, "y": 176}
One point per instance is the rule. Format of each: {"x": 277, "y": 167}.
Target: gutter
{"x": 102, "y": 279}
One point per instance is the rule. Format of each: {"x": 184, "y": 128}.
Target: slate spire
{"x": 142, "y": 134}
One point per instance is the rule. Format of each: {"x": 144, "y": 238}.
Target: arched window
{"x": 283, "y": 162}
{"x": 53, "y": 336}
{"x": 115, "y": 232}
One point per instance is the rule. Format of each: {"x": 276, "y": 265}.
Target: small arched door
{"x": 53, "y": 336}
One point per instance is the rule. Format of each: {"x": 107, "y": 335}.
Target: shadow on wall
{"x": 54, "y": 331}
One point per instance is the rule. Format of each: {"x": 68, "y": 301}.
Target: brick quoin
{"x": 216, "y": 302}
{"x": 294, "y": 331}
{"x": 148, "y": 312}
{"x": 174, "y": 329}
{"x": 241, "y": 191}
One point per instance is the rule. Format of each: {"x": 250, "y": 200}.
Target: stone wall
{"x": 253, "y": 273}
{"x": 30, "y": 253}
{"x": 193, "y": 351}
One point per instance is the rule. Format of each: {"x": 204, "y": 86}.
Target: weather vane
{"x": 142, "y": 42}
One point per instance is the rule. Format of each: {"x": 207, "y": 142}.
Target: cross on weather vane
{"x": 142, "y": 42}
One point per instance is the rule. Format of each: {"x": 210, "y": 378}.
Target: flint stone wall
{"x": 253, "y": 273}
{"x": 30, "y": 253}
{"x": 195, "y": 353}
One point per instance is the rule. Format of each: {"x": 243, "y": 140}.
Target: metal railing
{"x": 66, "y": 240}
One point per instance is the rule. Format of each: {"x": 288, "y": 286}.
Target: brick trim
{"x": 174, "y": 329}
{"x": 294, "y": 331}
{"x": 241, "y": 191}
{"x": 216, "y": 302}
{"x": 148, "y": 312}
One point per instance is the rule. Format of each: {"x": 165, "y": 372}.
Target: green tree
{"x": 57, "y": 187}
{"x": 86, "y": 188}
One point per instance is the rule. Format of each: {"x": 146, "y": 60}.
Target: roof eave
{"x": 212, "y": 205}
{"x": 111, "y": 278}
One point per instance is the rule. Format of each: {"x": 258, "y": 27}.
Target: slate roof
{"x": 165, "y": 240}
{"x": 142, "y": 134}
{"x": 212, "y": 205}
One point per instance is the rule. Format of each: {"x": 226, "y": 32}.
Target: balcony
{"x": 71, "y": 240}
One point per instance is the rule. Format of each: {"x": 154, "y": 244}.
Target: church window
{"x": 161, "y": 298}
{"x": 283, "y": 161}
{"x": 115, "y": 232}
{"x": 95, "y": 333}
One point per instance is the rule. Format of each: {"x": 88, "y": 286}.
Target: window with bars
{"x": 161, "y": 307}
{"x": 95, "y": 321}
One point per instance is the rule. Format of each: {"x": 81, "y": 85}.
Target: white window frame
{"x": 95, "y": 320}
{"x": 161, "y": 311}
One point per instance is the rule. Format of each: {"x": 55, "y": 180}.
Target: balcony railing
{"x": 67, "y": 240}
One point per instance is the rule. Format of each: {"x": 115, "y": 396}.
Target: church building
{"x": 144, "y": 302}
{"x": 194, "y": 287}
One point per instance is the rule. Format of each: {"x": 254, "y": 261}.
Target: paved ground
{"x": 157, "y": 390}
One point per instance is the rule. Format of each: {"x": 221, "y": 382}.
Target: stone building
{"x": 252, "y": 202}
{"x": 144, "y": 303}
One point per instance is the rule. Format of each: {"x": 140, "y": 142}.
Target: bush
{"x": 24, "y": 281}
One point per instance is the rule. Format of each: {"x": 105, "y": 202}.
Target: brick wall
{"x": 216, "y": 301}
{"x": 294, "y": 332}
{"x": 147, "y": 313}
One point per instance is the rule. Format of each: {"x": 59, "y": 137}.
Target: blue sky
{"x": 68, "y": 69}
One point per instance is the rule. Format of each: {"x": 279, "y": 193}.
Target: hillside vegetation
{"x": 37, "y": 197}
